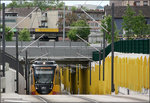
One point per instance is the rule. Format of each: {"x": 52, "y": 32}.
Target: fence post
{"x": 17, "y": 65}
{"x": 112, "y": 48}
{"x": 104, "y": 56}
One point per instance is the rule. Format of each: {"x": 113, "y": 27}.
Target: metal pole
{"x": 64, "y": 24}
{"x": 99, "y": 63}
{"x": 90, "y": 73}
{"x": 104, "y": 56}
{"x": 17, "y": 65}
{"x": 28, "y": 76}
{"x": 112, "y": 48}
{"x": 3, "y": 38}
{"x": 0, "y": 55}
{"x": 26, "y": 67}
{"x": 69, "y": 73}
{"x": 78, "y": 74}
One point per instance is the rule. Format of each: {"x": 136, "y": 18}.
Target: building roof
{"x": 21, "y": 11}
{"x": 90, "y": 11}
{"x": 88, "y": 6}
{"x": 119, "y": 11}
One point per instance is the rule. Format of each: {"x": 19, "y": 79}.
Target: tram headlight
{"x": 36, "y": 87}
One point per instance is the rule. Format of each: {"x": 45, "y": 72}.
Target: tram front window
{"x": 44, "y": 76}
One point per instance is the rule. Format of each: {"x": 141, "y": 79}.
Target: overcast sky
{"x": 75, "y": 2}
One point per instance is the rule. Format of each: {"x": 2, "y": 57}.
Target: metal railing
{"x": 12, "y": 62}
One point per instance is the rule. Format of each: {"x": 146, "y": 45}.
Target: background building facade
{"x": 130, "y": 2}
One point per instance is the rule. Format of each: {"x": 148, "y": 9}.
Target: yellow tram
{"x": 45, "y": 78}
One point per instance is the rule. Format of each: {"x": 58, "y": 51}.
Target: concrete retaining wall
{"x": 10, "y": 76}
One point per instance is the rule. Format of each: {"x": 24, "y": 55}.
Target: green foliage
{"x": 0, "y": 6}
{"x": 139, "y": 26}
{"x": 24, "y": 35}
{"x": 134, "y": 24}
{"x": 16, "y": 4}
{"x": 128, "y": 20}
{"x": 12, "y": 4}
{"x": 27, "y": 4}
{"x": 106, "y": 23}
{"x": 82, "y": 32}
{"x": 42, "y": 4}
{"x": 148, "y": 29}
{"x": 72, "y": 34}
{"x": 84, "y": 8}
{"x": 60, "y": 5}
{"x": 73, "y": 8}
{"x": 8, "y": 35}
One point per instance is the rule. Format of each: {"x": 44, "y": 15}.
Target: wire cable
{"x": 23, "y": 19}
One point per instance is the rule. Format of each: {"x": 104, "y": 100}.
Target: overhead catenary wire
{"x": 87, "y": 42}
{"x": 40, "y": 57}
{"x": 86, "y": 57}
{"x": 100, "y": 3}
{"x": 97, "y": 23}
{"x": 31, "y": 43}
{"x": 33, "y": 20}
{"x": 23, "y": 19}
{"x": 94, "y": 20}
{"x": 71, "y": 27}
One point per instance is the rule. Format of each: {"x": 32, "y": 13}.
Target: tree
{"x": 8, "y": 35}
{"x": 128, "y": 21}
{"x": 84, "y": 8}
{"x": 12, "y": 4}
{"x": 140, "y": 27}
{"x": 73, "y": 8}
{"x": 106, "y": 23}
{"x": 24, "y": 35}
{"x": 79, "y": 29}
{"x": 59, "y": 5}
{"x": 148, "y": 29}
{"x": 70, "y": 18}
{"x": 72, "y": 34}
{"x": 42, "y": 4}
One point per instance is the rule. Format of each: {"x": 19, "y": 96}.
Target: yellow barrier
{"x": 128, "y": 72}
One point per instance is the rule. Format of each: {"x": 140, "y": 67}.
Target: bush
{"x": 82, "y": 32}
{"x": 24, "y": 35}
{"x": 8, "y": 35}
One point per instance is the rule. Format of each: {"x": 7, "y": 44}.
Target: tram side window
{"x": 31, "y": 77}
{"x": 57, "y": 78}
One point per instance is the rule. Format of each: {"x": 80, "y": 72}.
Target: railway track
{"x": 45, "y": 100}
{"x": 42, "y": 99}
{"x": 88, "y": 99}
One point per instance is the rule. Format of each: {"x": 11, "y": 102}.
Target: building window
{"x": 11, "y": 14}
{"x": 10, "y": 20}
{"x": 145, "y": 3}
{"x": 45, "y": 14}
{"x": 137, "y": 3}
